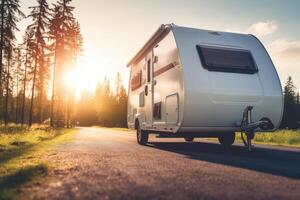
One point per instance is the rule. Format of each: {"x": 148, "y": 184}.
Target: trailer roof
{"x": 161, "y": 32}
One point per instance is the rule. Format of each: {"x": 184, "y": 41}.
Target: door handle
{"x": 154, "y": 82}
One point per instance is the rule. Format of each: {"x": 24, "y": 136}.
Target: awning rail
{"x": 162, "y": 31}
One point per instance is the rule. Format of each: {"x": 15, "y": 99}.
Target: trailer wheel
{"x": 189, "y": 139}
{"x": 227, "y": 139}
{"x": 141, "y": 136}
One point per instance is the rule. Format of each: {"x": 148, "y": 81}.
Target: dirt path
{"x": 108, "y": 164}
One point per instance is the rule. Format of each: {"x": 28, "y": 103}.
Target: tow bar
{"x": 248, "y": 127}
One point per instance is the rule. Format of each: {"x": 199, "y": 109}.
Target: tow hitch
{"x": 248, "y": 127}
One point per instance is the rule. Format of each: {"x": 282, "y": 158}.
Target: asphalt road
{"x": 108, "y": 164}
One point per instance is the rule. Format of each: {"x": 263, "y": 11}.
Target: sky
{"x": 114, "y": 30}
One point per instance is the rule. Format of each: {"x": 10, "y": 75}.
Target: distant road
{"x": 104, "y": 163}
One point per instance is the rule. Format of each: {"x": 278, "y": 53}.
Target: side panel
{"x": 136, "y": 97}
{"x": 168, "y": 80}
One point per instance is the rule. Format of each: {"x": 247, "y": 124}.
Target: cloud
{"x": 259, "y": 29}
{"x": 286, "y": 56}
{"x": 263, "y": 28}
{"x": 285, "y": 49}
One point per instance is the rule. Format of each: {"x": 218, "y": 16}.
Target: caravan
{"x": 190, "y": 83}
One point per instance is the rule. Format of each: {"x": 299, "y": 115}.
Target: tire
{"x": 141, "y": 136}
{"x": 189, "y": 139}
{"x": 227, "y": 139}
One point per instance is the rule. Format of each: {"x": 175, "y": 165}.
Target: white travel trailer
{"x": 189, "y": 83}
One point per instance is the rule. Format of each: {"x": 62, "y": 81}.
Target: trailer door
{"x": 149, "y": 90}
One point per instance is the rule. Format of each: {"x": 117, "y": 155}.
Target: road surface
{"x": 104, "y": 163}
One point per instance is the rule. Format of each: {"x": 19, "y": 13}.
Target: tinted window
{"x": 157, "y": 111}
{"x": 148, "y": 70}
{"x": 136, "y": 81}
{"x": 226, "y": 60}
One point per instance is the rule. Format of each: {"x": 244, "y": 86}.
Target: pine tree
{"x": 10, "y": 14}
{"x": 123, "y": 99}
{"x": 66, "y": 46}
{"x": 75, "y": 43}
{"x": 298, "y": 109}
{"x": 85, "y": 109}
{"x": 118, "y": 83}
{"x": 120, "y": 109}
{"x": 106, "y": 113}
{"x": 2, "y": 11}
{"x": 290, "y": 112}
{"x": 17, "y": 72}
{"x": 7, "y": 90}
{"x": 28, "y": 44}
{"x": 40, "y": 16}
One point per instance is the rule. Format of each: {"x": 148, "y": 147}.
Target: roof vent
{"x": 214, "y": 33}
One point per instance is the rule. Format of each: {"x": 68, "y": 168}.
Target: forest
{"x": 105, "y": 107}
{"x": 32, "y": 72}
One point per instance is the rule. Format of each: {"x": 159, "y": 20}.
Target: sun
{"x": 83, "y": 77}
{"x": 91, "y": 70}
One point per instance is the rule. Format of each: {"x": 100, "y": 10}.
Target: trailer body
{"x": 194, "y": 81}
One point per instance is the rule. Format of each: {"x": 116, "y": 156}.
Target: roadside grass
{"x": 289, "y": 138}
{"x": 21, "y": 152}
{"x": 114, "y": 128}
{"x": 283, "y": 137}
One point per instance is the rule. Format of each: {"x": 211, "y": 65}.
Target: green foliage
{"x": 10, "y": 14}
{"x": 280, "y": 137}
{"x": 21, "y": 155}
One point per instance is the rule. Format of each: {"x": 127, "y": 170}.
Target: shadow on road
{"x": 10, "y": 182}
{"x": 273, "y": 161}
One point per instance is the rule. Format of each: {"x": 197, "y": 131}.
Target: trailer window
{"x": 157, "y": 110}
{"x": 136, "y": 81}
{"x": 148, "y": 70}
{"x": 226, "y": 60}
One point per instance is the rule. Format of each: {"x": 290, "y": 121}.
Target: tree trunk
{"x": 41, "y": 91}
{"x": 6, "y": 118}
{"x": 1, "y": 39}
{"x": 32, "y": 92}
{"x": 68, "y": 112}
{"x": 17, "y": 97}
{"x": 53, "y": 90}
{"x": 24, "y": 87}
{"x": 41, "y": 102}
{"x": 1, "y": 49}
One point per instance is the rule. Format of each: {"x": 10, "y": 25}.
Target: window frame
{"x": 251, "y": 70}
